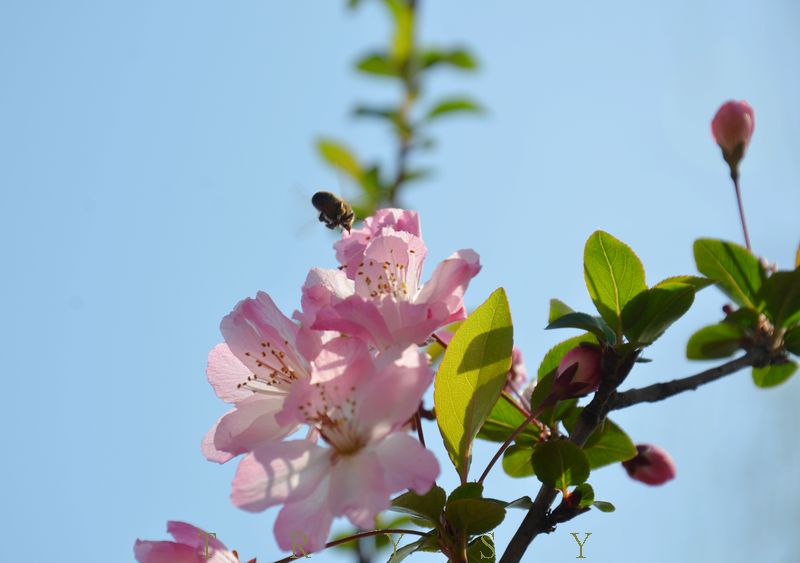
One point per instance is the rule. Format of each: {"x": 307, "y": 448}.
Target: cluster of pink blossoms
{"x": 349, "y": 370}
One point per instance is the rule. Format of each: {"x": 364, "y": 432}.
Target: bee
{"x": 333, "y": 210}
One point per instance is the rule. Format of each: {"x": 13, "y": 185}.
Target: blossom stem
{"x": 418, "y": 424}
{"x": 735, "y": 178}
{"x": 360, "y": 535}
{"x": 438, "y": 339}
{"x": 510, "y": 439}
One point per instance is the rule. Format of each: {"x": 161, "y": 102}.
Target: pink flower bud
{"x": 732, "y": 128}
{"x": 652, "y": 465}
{"x": 579, "y": 372}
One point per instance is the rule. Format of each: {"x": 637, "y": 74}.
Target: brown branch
{"x": 539, "y": 519}
{"x": 661, "y": 391}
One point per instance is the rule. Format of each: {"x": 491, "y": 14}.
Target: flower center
{"x": 274, "y": 371}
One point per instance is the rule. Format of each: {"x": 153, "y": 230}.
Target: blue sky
{"x": 156, "y": 161}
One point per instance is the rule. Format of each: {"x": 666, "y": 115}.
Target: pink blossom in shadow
{"x": 191, "y": 545}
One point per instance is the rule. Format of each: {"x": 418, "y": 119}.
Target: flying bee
{"x": 333, "y": 210}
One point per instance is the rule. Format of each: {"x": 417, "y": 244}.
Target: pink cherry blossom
{"x": 263, "y": 354}
{"x": 191, "y": 545}
{"x": 350, "y": 249}
{"x": 652, "y": 465}
{"x": 385, "y": 304}
{"x": 733, "y": 126}
{"x": 360, "y": 409}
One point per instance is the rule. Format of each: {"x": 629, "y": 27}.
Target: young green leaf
{"x": 426, "y": 507}
{"x": 603, "y": 506}
{"x": 340, "y": 157}
{"x": 481, "y": 550}
{"x": 457, "y": 58}
{"x": 648, "y": 315}
{"x": 714, "y": 342}
{"x": 736, "y": 270}
{"x": 696, "y": 282}
{"x": 474, "y": 515}
{"x": 774, "y": 374}
{"x": 606, "y": 445}
{"x": 595, "y": 325}
{"x": 517, "y": 461}
{"x": 558, "y": 309}
{"x": 523, "y": 503}
{"x": 781, "y": 297}
{"x": 467, "y": 490}
{"x": 378, "y": 64}
{"x": 453, "y": 105}
{"x": 471, "y": 376}
{"x": 586, "y": 493}
{"x": 560, "y": 464}
{"x": 614, "y": 275}
{"x": 791, "y": 340}
{"x": 503, "y": 420}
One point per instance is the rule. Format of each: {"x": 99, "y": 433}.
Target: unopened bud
{"x": 579, "y": 372}
{"x": 652, "y": 465}
{"x": 732, "y": 128}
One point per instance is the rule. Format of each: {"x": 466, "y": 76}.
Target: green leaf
{"x": 560, "y": 464}
{"x": 696, "y": 282}
{"x": 558, "y": 309}
{"x": 388, "y": 113}
{"x": 791, "y": 340}
{"x": 595, "y": 325}
{"x": 474, "y": 516}
{"x": 403, "y": 40}
{"x": 481, "y": 550}
{"x": 523, "y": 503}
{"x": 457, "y": 58}
{"x": 471, "y": 376}
{"x": 426, "y": 507}
{"x": 517, "y": 461}
{"x": 340, "y": 157}
{"x": 781, "y": 297}
{"x": 614, "y": 276}
{"x": 606, "y": 445}
{"x": 403, "y": 552}
{"x": 503, "y": 420}
{"x": 379, "y": 64}
{"x": 744, "y": 318}
{"x": 467, "y": 490}
{"x": 453, "y": 105}
{"x": 586, "y": 493}
{"x": 774, "y": 374}
{"x": 554, "y": 356}
{"x": 647, "y": 316}
{"x": 714, "y": 342}
{"x": 603, "y": 506}
{"x": 736, "y": 270}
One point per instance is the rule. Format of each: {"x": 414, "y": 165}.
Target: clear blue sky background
{"x": 155, "y": 166}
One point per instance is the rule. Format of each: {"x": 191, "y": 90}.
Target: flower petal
{"x": 387, "y": 400}
{"x": 302, "y": 527}
{"x": 164, "y": 552}
{"x": 358, "y": 488}
{"x": 406, "y": 463}
{"x": 322, "y": 288}
{"x": 264, "y": 340}
{"x": 225, "y": 372}
{"x": 392, "y": 266}
{"x": 358, "y": 317}
{"x": 449, "y": 282}
{"x": 277, "y": 472}
{"x": 249, "y": 424}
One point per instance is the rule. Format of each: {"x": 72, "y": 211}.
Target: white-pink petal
{"x": 249, "y": 424}
{"x": 406, "y": 463}
{"x": 225, "y": 372}
{"x": 277, "y": 472}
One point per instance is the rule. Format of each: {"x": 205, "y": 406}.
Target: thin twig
{"x": 661, "y": 391}
{"x": 735, "y": 178}
{"x": 357, "y": 536}
{"x": 418, "y": 423}
{"x": 508, "y": 441}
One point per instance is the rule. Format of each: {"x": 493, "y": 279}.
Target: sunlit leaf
{"x": 471, "y": 376}
{"x": 735, "y": 269}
